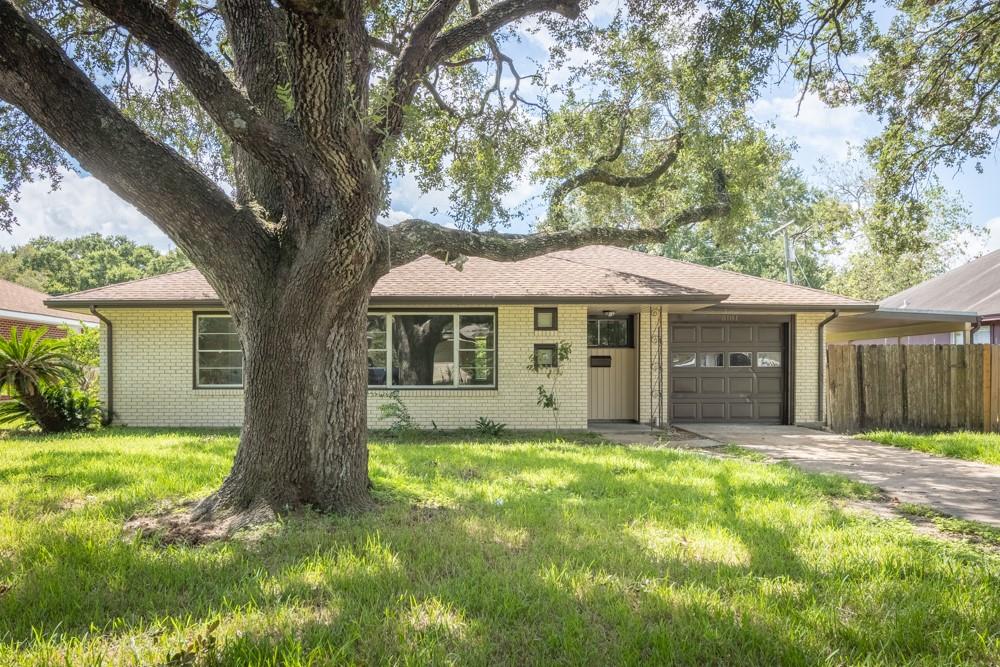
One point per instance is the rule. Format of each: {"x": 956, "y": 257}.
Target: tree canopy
{"x": 70, "y": 265}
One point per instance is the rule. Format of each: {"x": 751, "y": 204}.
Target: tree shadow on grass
{"x": 529, "y": 554}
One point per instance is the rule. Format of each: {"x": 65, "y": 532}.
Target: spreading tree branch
{"x": 482, "y": 25}
{"x": 430, "y": 45}
{"x": 255, "y": 34}
{"x": 411, "y": 239}
{"x": 598, "y": 174}
{"x": 274, "y": 144}
{"x": 39, "y": 78}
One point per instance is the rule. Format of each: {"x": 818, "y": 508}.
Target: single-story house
{"x": 24, "y": 308}
{"x": 653, "y": 340}
{"x": 960, "y": 306}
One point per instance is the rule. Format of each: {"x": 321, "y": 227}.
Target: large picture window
{"x": 218, "y": 353}
{"x": 432, "y": 349}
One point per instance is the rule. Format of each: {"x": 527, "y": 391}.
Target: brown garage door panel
{"x": 728, "y": 393}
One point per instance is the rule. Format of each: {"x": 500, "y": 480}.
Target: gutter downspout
{"x": 111, "y": 364}
{"x": 822, "y": 367}
{"x": 976, "y": 327}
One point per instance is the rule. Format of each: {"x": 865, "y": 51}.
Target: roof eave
{"x": 791, "y": 308}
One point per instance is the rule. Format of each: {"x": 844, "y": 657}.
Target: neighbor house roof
{"x": 971, "y": 287}
{"x": 593, "y": 273}
{"x": 20, "y": 302}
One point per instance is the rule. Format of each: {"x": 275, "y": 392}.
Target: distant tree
{"x": 755, "y": 247}
{"x": 931, "y": 75}
{"x": 874, "y": 270}
{"x": 61, "y": 266}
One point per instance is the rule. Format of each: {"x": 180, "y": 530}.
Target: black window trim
{"x": 547, "y": 346}
{"x": 195, "y": 314}
{"x": 629, "y": 330}
{"x": 555, "y": 318}
{"x": 389, "y": 311}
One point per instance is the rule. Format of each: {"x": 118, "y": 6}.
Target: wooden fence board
{"x": 914, "y": 387}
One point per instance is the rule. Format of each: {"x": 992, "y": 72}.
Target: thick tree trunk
{"x": 304, "y": 435}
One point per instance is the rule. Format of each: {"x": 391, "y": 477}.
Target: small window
{"x": 683, "y": 359}
{"x": 740, "y": 359}
{"x": 712, "y": 359}
{"x": 377, "y": 351}
{"x": 546, "y": 355}
{"x": 610, "y": 332}
{"x": 769, "y": 360}
{"x": 982, "y": 335}
{"x": 218, "y": 353}
{"x": 546, "y": 319}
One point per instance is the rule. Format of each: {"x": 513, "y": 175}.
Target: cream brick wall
{"x": 153, "y": 359}
{"x": 807, "y": 360}
{"x": 514, "y": 400}
{"x": 153, "y": 381}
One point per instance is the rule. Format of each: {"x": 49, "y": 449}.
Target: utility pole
{"x": 788, "y": 250}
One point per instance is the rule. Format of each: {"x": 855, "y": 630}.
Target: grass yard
{"x": 967, "y": 445}
{"x": 521, "y": 551}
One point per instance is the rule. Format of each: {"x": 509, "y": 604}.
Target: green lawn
{"x": 967, "y": 445}
{"x": 516, "y": 552}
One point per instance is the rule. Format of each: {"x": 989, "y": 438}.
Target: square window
{"x": 740, "y": 359}
{"x": 712, "y": 359}
{"x": 546, "y": 356}
{"x": 546, "y": 319}
{"x": 683, "y": 359}
{"x": 769, "y": 360}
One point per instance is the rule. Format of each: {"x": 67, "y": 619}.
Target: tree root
{"x": 196, "y": 523}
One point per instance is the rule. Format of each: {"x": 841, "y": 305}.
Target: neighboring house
{"x": 23, "y": 307}
{"x": 960, "y": 306}
{"x": 653, "y": 340}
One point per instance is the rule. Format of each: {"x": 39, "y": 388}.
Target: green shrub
{"x": 396, "y": 410}
{"x": 68, "y": 408}
{"x": 489, "y": 428}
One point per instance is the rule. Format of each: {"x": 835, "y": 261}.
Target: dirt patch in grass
{"x": 176, "y": 525}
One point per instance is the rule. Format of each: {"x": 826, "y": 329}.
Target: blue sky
{"x": 83, "y": 205}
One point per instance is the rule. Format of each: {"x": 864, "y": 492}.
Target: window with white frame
{"x": 433, "y": 349}
{"x": 218, "y": 354}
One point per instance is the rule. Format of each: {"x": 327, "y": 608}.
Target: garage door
{"x": 728, "y": 371}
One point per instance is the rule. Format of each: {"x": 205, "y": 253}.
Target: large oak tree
{"x": 262, "y": 138}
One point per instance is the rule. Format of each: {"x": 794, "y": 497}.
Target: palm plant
{"x": 29, "y": 362}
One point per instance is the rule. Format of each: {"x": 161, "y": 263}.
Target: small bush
{"x": 77, "y": 408}
{"x": 72, "y": 409}
{"x": 396, "y": 410}
{"x": 489, "y": 428}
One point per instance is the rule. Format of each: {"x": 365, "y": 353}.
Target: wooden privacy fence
{"x": 913, "y": 387}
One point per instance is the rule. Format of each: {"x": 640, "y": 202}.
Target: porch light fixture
{"x": 609, "y": 313}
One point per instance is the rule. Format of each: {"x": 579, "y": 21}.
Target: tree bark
{"x": 304, "y": 435}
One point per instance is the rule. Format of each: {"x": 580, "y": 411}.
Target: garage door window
{"x": 768, "y": 360}
{"x": 740, "y": 359}
{"x": 712, "y": 359}
{"x": 683, "y": 359}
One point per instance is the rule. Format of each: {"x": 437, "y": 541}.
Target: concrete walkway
{"x": 960, "y": 488}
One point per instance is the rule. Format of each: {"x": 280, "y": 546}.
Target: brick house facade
{"x": 176, "y": 362}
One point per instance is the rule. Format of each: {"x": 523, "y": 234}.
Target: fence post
{"x": 860, "y": 418}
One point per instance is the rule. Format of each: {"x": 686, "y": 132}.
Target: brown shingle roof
{"x": 594, "y": 273}
{"x": 742, "y": 290}
{"x": 23, "y": 299}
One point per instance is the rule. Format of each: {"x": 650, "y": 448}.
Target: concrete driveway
{"x": 960, "y": 488}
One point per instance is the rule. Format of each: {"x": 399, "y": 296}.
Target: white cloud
{"x": 827, "y": 131}
{"x": 976, "y": 246}
{"x": 81, "y": 205}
